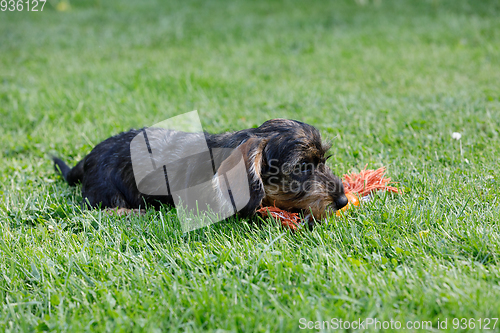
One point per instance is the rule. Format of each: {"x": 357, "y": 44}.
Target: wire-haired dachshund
{"x": 284, "y": 159}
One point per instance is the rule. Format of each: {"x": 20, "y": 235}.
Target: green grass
{"x": 386, "y": 81}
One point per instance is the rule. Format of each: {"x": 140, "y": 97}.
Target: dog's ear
{"x": 245, "y": 184}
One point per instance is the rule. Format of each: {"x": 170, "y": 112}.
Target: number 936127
{"x": 20, "y": 5}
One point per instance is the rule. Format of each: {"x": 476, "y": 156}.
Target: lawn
{"x": 387, "y": 82}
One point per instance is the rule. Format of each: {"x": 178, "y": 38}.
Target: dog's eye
{"x": 304, "y": 167}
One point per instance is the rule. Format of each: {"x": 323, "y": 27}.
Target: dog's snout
{"x": 341, "y": 201}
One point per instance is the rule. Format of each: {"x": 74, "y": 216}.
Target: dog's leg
{"x": 125, "y": 211}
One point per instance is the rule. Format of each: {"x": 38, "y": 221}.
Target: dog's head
{"x": 285, "y": 160}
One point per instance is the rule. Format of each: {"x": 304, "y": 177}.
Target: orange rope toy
{"x": 356, "y": 185}
{"x": 368, "y": 181}
{"x": 288, "y": 219}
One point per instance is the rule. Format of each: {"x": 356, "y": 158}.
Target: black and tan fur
{"x": 285, "y": 160}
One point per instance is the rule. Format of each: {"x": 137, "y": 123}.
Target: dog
{"x": 284, "y": 160}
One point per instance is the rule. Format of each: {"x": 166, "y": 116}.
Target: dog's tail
{"x": 71, "y": 175}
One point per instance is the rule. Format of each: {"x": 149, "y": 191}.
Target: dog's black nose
{"x": 341, "y": 202}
